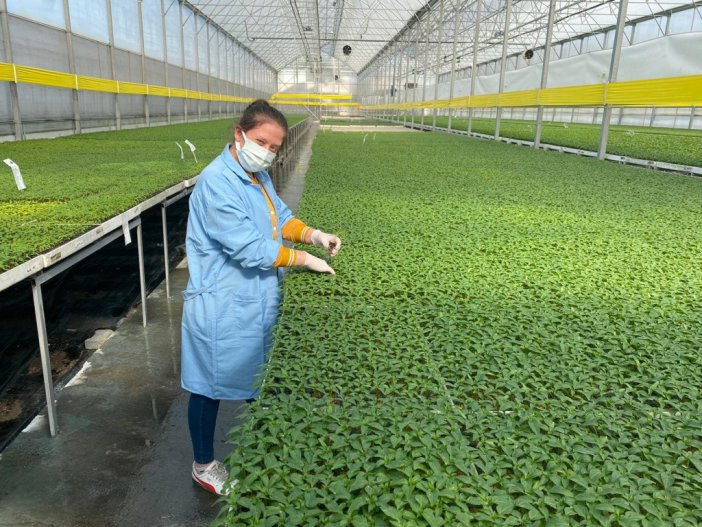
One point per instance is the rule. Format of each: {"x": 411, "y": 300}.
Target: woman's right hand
{"x": 317, "y": 264}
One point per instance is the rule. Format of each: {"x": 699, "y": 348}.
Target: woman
{"x": 236, "y": 227}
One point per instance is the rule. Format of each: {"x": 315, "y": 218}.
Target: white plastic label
{"x": 364, "y": 138}
{"x": 192, "y": 148}
{"x": 181, "y": 150}
{"x": 16, "y": 172}
{"x": 125, "y": 230}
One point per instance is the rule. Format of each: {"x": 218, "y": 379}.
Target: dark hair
{"x": 259, "y": 112}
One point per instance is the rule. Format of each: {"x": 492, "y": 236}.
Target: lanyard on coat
{"x": 271, "y": 207}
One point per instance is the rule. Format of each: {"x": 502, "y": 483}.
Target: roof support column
{"x": 503, "y": 65}
{"x": 14, "y": 98}
{"x": 405, "y": 82}
{"x": 165, "y": 60}
{"x": 140, "y": 20}
{"x": 474, "y": 67}
{"x": 613, "y": 70}
{"x": 426, "y": 69}
{"x": 544, "y": 71}
{"x": 456, "y": 20}
{"x": 414, "y": 79}
{"x": 72, "y": 67}
{"x": 438, "y": 59}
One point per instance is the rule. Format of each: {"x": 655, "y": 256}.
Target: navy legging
{"x": 202, "y": 417}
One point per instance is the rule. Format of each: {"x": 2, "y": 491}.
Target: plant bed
{"x": 512, "y": 338}
{"x": 671, "y": 145}
{"x": 75, "y": 183}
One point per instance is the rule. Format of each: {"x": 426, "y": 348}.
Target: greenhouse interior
{"x": 440, "y": 262}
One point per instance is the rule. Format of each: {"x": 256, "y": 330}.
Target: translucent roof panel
{"x": 527, "y": 27}
{"x": 281, "y": 31}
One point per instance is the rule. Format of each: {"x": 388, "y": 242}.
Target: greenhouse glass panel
{"x": 649, "y": 30}
{"x": 153, "y": 28}
{"x": 175, "y": 50}
{"x": 189, "y": 39}
{"x": 681, "y": 22}
{"x": 49, "y": 12}
{"x": 89, "y": 18}
{"x": 230, "y": 60}
{"x": 223, "y": 57}
{"x": 214, "y": 51}
{"x": 593, "y": 43}
{"x": 202, "y": 45}
{"x": 697, "y": 21}
{"x": 124, "y": 25}
{"x": 556, "y": 51}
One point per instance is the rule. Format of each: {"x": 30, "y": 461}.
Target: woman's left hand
{"x": 329, "y": 242}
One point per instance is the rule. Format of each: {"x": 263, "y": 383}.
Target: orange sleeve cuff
{"x": 289, "y": 257}
{"x": 297, "y": 232}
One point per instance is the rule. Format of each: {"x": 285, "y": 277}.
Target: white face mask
{"x": 252, "y": 156}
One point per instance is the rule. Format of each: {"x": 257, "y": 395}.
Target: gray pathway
{"x": 123, "y": 455}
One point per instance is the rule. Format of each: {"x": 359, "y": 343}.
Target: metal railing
{"x": 285, "y": 160}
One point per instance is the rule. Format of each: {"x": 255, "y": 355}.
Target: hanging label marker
{"x": 125, "y": 230}
{"x": 364, "y": 138}
{"x": 181, "y": 150}
{"x": 192, "y": 148}
{"x": 16, "y": 172}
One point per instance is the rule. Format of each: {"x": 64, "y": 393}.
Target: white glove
{"x": 329, "y": 242}
{"x": 317, "y": 264}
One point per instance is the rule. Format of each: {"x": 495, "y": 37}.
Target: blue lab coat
{"x": 231, "y": 301}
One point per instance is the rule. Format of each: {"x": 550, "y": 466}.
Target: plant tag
{"x": 192, "y": 148}
{"x": 181, "y": 150}
{"x": 364, "y": 138}
{"x": 125, "y": 230}
{"x": 16, "y": 172}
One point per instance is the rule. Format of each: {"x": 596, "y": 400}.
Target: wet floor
{"x": 122, "y": 456}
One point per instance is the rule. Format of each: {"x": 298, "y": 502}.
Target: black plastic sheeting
{"x": 94, "y": 294}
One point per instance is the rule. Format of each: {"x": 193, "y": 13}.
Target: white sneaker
{"x": 213, "y": 478}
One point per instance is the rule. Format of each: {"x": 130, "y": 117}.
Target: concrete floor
{"x": 122, "y": 456}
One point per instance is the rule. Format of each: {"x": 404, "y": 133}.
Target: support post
{"x": 166, "y": 266}
{"x": 209, "y": 70}
{"x": 142, "y": 274}
{"x": 14, "y": 98}
{"x": 140, "y": 21}
{"x": 426, "y": 69}
{"x": 197, "y": 64}
{"x": 182, "y": 61}
{"x": 72, "y": 67}
{"x": 414, "y": 77}
{"x": 474, "y": 66}
{"x": 613, "y": 70}
{"x": 438, "y": 59}
{"x": 45, "y": 358}
{"x": 503, "y": 65}
{"x": 544, "y": 71}
{"x": 113, "y": 68}
{"x": 404, "y": 91}
{"x": 456, "y": 20}
{"x": 165, "y": 60}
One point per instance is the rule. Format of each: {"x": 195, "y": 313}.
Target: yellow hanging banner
{"x": 95, "y": 84}
{"x": 329, "y": 96}
{"x": 671, "y": 92}
{"x": 55, "y": 79}
{"x": 7, "y": 72}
